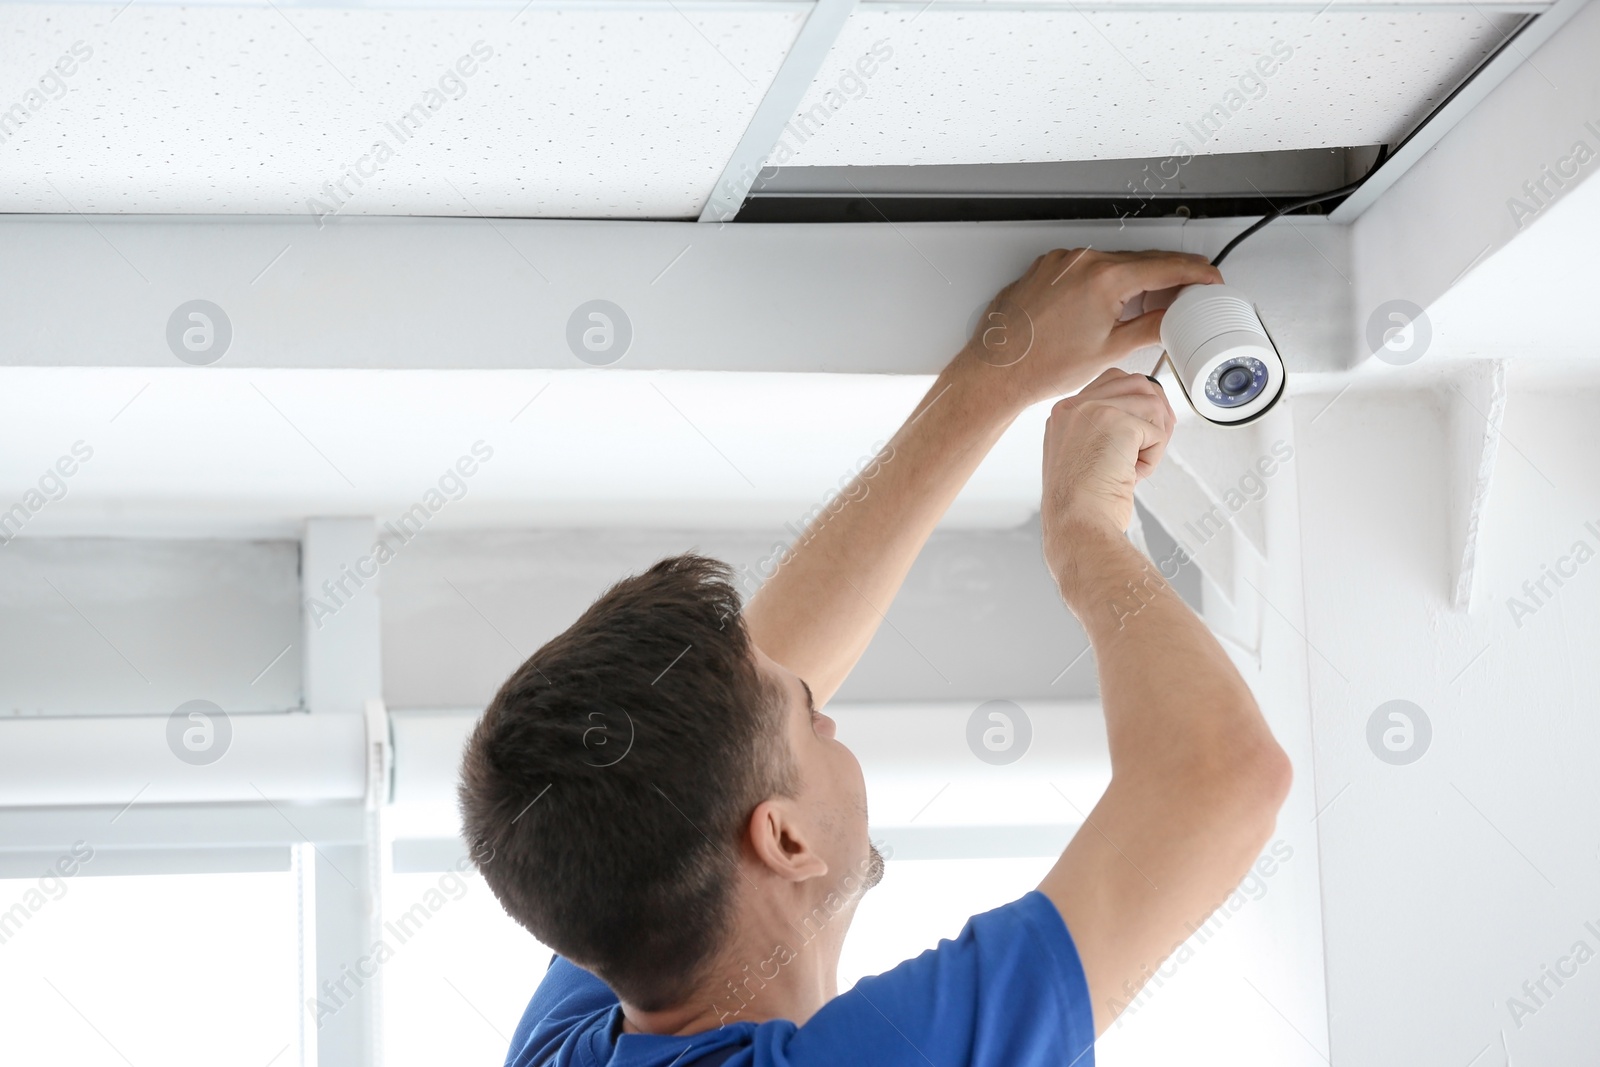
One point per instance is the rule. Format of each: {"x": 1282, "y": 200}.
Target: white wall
{"x": 106, "y": 626}
{"x": 1450, "y": 881}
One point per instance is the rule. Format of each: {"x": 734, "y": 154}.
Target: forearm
{"x": 1196, "y": 778}
{"x": 1174, "y": 703}
{"x": 818, "y": 612}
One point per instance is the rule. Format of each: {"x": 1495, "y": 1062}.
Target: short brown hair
{"x": 606, "y": 788}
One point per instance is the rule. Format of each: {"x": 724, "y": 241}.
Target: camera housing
{"x": 1226, "y": 363}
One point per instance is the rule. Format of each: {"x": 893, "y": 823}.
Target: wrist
{"x": 1002, "y": 388}
{"x": 1087, "y": 554}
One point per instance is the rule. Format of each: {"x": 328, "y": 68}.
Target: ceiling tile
{"x": 916, "y": 85}
{"x": 599, "y": 112}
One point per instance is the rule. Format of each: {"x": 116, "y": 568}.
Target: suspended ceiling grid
{"x": 640, "y": 109}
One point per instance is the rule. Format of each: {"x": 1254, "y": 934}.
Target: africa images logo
{"x": 1399, "y": 732}
{"x": 999, "y": 732}
{"x": 199, "y": 732}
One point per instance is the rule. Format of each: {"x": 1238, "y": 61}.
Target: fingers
{"x": 1140, "y": 272}
{"x": 1129, "y": 273}
{"x": 1149, "y": 409}
{"x": 1062, "y": 262}
{"x": 1074, "y": 300}
{"x": 1133, "y": 394}
{"x": 1130, "y": 409}
{"x": 1112, "y": 381}
{"x": 1137, "y": 333}
{"x": 1150, "y": 456}
{"x": 1172, "y": 416}
{"x": 1137, "y": 428}
{"x": 1155, "y": 263}
{"x": 1118, "y": 382}
{"x": 1101, "y": 442}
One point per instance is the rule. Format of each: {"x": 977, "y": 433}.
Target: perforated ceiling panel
{"x": 258, "y": 109}
{"x": 932, "y": 86}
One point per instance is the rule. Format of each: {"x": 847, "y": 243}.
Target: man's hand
{"x": 1052, "y": 330}
{"x": 1097, "y": 446}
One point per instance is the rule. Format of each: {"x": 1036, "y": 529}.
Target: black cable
{"x": 1279, "y": 212}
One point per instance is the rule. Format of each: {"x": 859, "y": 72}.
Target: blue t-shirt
{"x": 1009, "y": 991}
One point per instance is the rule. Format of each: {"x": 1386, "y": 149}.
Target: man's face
{"x": 831, "y": 789}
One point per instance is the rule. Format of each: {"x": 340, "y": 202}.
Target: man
{"x": 656, "y": 796}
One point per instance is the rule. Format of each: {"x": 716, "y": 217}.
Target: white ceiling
{"x": 973, "y": 86}
{"x": 634, "y": 109}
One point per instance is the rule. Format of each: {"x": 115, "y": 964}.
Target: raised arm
{"x": 1044, "y": 335}
{"x": 1196, "y": 777}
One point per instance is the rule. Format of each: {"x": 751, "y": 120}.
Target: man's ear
{"x": 783, "y": 843}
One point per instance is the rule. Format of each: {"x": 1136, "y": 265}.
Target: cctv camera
{"x": 1226, "y": 363}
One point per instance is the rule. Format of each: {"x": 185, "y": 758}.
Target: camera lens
{"x": 1236, "y": 381}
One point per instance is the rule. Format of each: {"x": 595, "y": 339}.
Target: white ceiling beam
{"x": 800, "y": 68}
{"x": 1486, "y": 180}
{"x": 380, "y": 293}
{"x": 109, "y": 862}
{"x": 131, "y": 760}
{"x": 180, "y": 826}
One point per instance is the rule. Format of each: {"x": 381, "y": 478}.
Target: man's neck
{"x": 777, "y": 970}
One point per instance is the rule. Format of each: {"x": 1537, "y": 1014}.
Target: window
{"x": 187, "y": 970}
{"x": 457, "y": 984}
{"x": 921, "y": 901}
